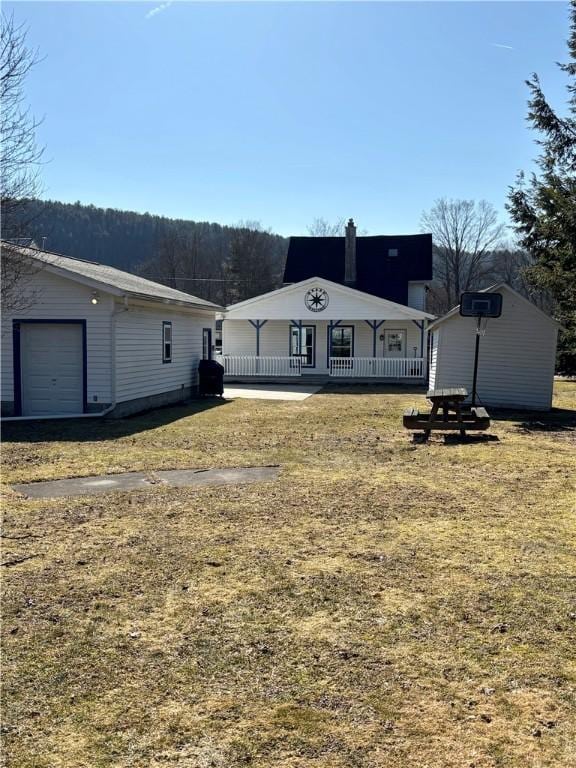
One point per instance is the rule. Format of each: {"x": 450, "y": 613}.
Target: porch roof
{"x": 343, "y": 303}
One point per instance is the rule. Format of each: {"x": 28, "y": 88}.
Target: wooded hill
{"x": 217, "y": 262}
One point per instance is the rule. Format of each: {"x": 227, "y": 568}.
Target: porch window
{"x": 302, "y": 344}
{"x": 342, "y": 341}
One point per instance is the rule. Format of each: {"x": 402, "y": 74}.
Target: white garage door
{"x": 51, "y": 362}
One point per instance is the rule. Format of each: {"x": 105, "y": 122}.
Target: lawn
{"x": 382, "y": 604}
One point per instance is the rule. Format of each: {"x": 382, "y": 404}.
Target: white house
{"x": 318, "y": 327}
{"x": 93, "y": 340}
{"x": 516, "y": 355}
{"x": 351, "y": 307}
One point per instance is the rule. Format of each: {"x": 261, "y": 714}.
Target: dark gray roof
{"x": 378, "y": 271}
{"x": 113, "y": 278}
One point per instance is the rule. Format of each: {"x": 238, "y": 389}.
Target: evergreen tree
{"x": 544, "y": 209}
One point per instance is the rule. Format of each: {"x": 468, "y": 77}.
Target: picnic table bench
{"x": 448, "y": 413}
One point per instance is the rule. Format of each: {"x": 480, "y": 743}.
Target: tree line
{"x": 215, "y": 262}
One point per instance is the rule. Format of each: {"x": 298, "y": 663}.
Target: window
{"x": 342, "y": 341}
{"x": 302, "y": 344}
{"x": 392, "y": 253}
{"x": 206, "y": 343}
{"x": 166, "y": 342}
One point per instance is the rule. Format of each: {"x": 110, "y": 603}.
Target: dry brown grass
{"x": 382, "y": 604}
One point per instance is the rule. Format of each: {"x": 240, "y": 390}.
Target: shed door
{"x": 51, "y": 362}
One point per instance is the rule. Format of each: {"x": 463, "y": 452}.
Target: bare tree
{"x": 322, "y": 228}
{"x": 511, "y": 265}
{"x": 19, "y": 158}
{"x": 465, "y": 233}
{"x": 255, "y": 262}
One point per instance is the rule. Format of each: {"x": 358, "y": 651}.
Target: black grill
{"x": 210, "y": 378}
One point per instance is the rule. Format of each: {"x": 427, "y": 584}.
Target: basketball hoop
{"x": 480, "y": 305}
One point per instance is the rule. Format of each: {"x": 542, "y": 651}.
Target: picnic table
{"x": 448, "y": 413}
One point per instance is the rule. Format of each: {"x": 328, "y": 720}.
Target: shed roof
{"x": 492, "y": 289}
{"x": 111, "y": 279}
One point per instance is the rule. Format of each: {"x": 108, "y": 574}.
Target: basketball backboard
{"x": 480, "y": 304}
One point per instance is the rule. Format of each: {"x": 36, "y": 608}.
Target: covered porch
{"x": 385, "y": 349}
{"x": 322, "y": 330}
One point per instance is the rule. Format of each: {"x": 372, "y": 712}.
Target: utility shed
{"x": 517, "y": 354}
{"x": 86, "y": 339}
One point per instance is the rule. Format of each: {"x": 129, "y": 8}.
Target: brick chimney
{"x": 350, "y": 254}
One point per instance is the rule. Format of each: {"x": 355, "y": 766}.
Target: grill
{"x": 210, "y": 378}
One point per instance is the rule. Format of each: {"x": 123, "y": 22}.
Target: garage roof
{"x": 113, "y": 280}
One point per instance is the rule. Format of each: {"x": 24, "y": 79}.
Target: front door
{"x": 303, "y": 344}
{"x": 341, "y": 348}
{"x": 394, "y": 343}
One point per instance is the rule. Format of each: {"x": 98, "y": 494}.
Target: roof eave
{"x": 92, "y": 282}
{"x": 209, "y": 307}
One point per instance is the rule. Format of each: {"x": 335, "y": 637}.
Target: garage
{"x": 50, "y": 377}
{"x": 90, "y": 340}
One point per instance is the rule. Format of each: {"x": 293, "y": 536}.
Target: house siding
{"x": 434, "y": 356}
{"x": 417, "y": 296}
{"x": 56, "y": 298}
{"x": 140, "y": 371}
{"x": 290, "y": 305}
{"x": 516, "y": 360}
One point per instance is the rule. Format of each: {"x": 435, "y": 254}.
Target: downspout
{"x": 112, "y": 405}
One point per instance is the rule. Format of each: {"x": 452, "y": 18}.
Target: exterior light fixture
{"x": 95, "y": 297}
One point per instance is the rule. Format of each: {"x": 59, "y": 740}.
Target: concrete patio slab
{"x": 132, "y": 481}
{"x": 270, "y": 391}
{"x": 181, "y": 478}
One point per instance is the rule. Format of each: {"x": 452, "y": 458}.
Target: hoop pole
{"x": 475, "y": 376}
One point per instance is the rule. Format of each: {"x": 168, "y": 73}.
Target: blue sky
{"x": 282, "y": 112}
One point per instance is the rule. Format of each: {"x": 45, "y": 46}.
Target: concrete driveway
{"x": 269, "y": 391}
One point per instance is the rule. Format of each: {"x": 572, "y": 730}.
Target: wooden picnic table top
{"x": 447, "y": 393}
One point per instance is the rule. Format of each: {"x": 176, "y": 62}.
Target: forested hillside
{"x": 209, "y": 260}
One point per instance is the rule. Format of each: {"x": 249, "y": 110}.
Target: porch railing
{"x": 384, "y": 367}
{"x": 245, "y": 365}
{"x": 356, "y": 367}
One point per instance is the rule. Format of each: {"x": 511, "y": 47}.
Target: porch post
{"x": 420, "y": 325}
{"x": 257, "y": 324}
{"x": 374, "y": 324}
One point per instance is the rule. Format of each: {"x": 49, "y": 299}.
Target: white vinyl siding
{"x": 516, "y": 360}
{"x": 417, "y": 296}
{"x": 434, "y": 357}
{"x": 289, "y": 304}
{"x": 56, "y": 298}
{"x": 140, "y": 371}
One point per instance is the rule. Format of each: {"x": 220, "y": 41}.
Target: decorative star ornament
{"x": 316, "y": 299}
